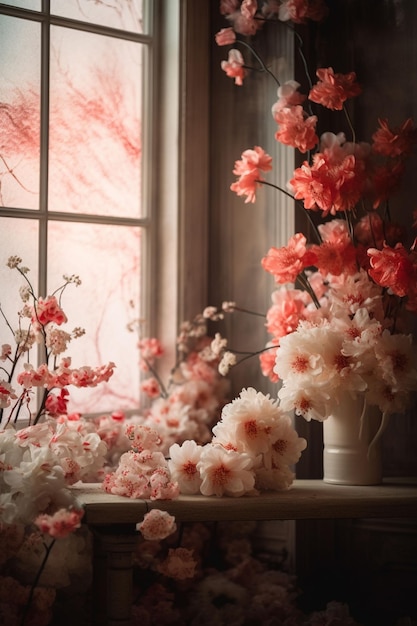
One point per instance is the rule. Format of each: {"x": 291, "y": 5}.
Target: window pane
{"x": 34, "y": 5}
{"x": 107, "y": 260}
{"x": 95, "y": 124}
{"x": 19, "y": 237}
{"x": 19, "y": 112}
{"x": 123, "y": 14}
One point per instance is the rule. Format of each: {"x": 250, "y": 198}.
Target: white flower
{"x": 228, "y": 360}
{"x": 183, "y": 466}
{"x": 225, "y": 472}
{"x": 248, "y": 421}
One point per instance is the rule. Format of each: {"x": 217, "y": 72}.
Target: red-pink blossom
{"x": 267, "y": 362}
{"x": 48, "y": 310}
{"x": 225, "y": 37}
{"x": 234, "y": 66}
{"x": 249, "y": 168}
{"x": 299, "y": 11}
{"x": 331, "y": 188}
{"x": 396, "y": 142}
{"x": 60, "y": 524}
{"x": 286, "y": 263}
{"x": 57, "y": 404}
{"x": 295, "y": 129}
{"x": 332, "y": 90}
{"x": 393, "y": 268}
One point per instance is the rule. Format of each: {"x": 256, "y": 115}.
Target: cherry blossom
{"x": 61, "y": 523}
{"x": 183, "y": 463}
{"x": 225, "y": 472}
{"x": 157, "y": 525}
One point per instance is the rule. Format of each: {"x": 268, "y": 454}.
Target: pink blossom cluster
{"x": 40, "y": 462}
{"x": 44, "y": 316}
{"x": 143, "y": 471}
{"x": 189, "y": 404}
{"x": 253, "y": 448}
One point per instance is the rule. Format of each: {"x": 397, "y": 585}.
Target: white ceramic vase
{"x": 352, "y": 445}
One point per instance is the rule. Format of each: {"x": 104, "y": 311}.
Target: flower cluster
{"x": 189, "y": 404}
{"x": 38, "y": 325}
{"x": 253, "y": 449}
{"x": 143, "y": 471}
{"x": 338, "y": 316}
{"x": 40, "y": 462}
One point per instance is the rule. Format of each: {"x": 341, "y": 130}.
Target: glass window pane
{"x": 34, "y": 5}
{"x": 122, "y": 14}
{"x": 19, "y": 237}
{"x": 107, "y": 260}
{"x": 19, "y": 112}
{"x": 95, "y": 124}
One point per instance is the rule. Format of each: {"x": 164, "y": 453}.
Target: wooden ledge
{"x": 307, "y": 499}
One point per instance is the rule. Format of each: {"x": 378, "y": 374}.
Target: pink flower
{"x": 299, "y": 11}
{"x": 234, "y": 66}
{"x": 157, "y": 525}
{"x": 393, "y": 268}
{"x": 288, "y": 96}
{"x": 225, "y": 37}
{"x": 60, "y": 524}
{"x": 179, "y": 564}
{"x": 151, "y": 387}
{"x": 287, "y": 262}
{"x": 295, "y": 129}
{"x": 396, "y": 142}
{"x": 248, "y": 168}
{"x": 48, "y": 310}
{"x": 41, "y": 377}
{"x": 57, "y": 405}
{"x": 150, "y": 349}
{"x": 332, "y": 89}
{"x": 225, "y": 472}
{"x": 6, "y": 394}
{"x": 329, "y": 187}
{"x": 267, "y": 362}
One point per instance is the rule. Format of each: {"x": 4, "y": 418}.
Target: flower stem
{"x": 48, "y": 549}
{"x": 297, "y": 202}
{"x": 264, "y": 68}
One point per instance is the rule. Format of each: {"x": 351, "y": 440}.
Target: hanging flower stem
{"x": 48, "y": 549}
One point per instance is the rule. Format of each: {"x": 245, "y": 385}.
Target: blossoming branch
{"x": 38, "y": 326}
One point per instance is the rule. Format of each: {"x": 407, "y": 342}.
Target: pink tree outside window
{"x": 86, "y": 198}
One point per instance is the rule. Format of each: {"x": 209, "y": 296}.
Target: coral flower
{"x": 332, "y": 90}
{"x": 393, "y": 268}
{"x": 295, "y": 129}
{"x": 396, "y": 142}
{"x": 234, "y": 66}
{"x": 249, "y": 168}
{"x": 286, "y": 263}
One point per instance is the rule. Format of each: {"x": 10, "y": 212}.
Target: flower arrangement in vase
{"x": 338, "y": 319}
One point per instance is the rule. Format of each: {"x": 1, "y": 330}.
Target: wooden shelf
{"x": 307, "y": 499}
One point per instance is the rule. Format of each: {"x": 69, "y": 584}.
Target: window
{"x": 76, "y": 159}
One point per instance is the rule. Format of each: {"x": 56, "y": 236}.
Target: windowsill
{"x": 307, "y": 499}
